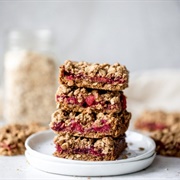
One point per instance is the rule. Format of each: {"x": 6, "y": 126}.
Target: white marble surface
{"x": 17, "y": 167}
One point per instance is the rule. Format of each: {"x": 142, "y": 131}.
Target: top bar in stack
{"x": 94, "y": 75}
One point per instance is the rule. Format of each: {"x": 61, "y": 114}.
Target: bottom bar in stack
{"x": 88, "y": 149}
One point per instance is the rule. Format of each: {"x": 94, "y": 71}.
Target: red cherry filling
{"x": 152, "y": 126}
{"x": 58, "y": 148}
{"x": 91, "y": 101}
{"x": 90, "y": 150}
{"x": 59, "y": 126}
{"x": 103, "y": 128}
{"x": 71, "y": 76}
{"x": 77, "y": 127}
{"x": 9, "y": 147}
{"x": 123, "y": 102}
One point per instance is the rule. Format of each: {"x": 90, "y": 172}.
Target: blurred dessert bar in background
{"x": 156, "y": 120}
{"x": 164, "y": 128}
{"x": 13, "y": 137}
{"x": 168, "y": 140}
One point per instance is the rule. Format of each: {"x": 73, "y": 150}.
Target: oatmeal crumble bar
{"x": 168, "y": 141}
{"x": 156, "y": 120}
{"x": 93, "y": 75}
{"x": 90, "y": 124}
{"x": 12, "y": 137}
{"x": 79, "y": 99}
{"x": 87, "y": 149}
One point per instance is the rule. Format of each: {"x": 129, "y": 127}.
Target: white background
{"x": 142, "y": 35}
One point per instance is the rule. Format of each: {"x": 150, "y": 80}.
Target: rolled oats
{"x": 30, "y": 83}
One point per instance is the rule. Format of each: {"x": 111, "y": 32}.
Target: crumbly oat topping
{"x": 93, "y": 69}
{"x": 93, "y": 75}
{"x": 12, "y": 137}
{"x": 100, "y": 95}
{"x": 106, "y": 144}
{"x": 168, "y": 141}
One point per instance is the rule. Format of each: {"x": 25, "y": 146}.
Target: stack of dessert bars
{"x": 91, "y": 117}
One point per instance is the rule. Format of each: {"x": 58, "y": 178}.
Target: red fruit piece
{"x": 102, "y": 79}
{"x": 76, "y": 127}
{"x": 123, "y": 102}
{"x": 72, "y": 100}
{"x": 70, "y": 77}
{"x": 57, "y": 98}
{"x": 90, "y": 100}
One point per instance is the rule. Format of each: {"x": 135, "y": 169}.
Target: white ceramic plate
{"x": 77, "y": 169}
{"x": 41, "y": 145}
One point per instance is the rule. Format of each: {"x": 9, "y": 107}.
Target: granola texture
{"x": 168, "y": 141}
{"x": 164, "y": 128}
{"x": 12, "y": 137}
{"x": 91, "y": 117}
{"x": 94, "y": 75}
{"x": 90, "y": 124}
{"x": 156, "y": 120}
{"x": 88, "y": 149}
{"x": 80, "y": 99}
{"x": 29, "y": 84}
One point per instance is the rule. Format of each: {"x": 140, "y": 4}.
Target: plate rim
{"x": 53, "y": 158}
{"x": 90, "y": 170}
